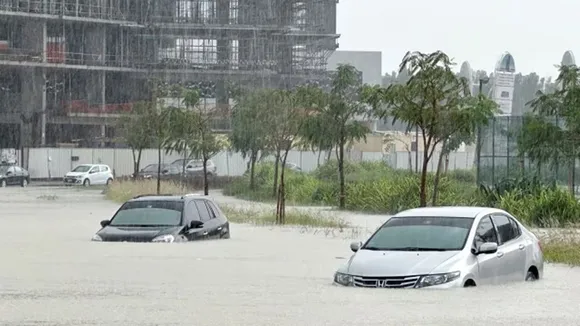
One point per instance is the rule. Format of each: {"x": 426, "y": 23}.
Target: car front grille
{"x": 386, "y": 281}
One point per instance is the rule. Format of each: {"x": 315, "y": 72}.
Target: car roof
{"x": 449, "y": 211}
{"x": 168, "y": 197}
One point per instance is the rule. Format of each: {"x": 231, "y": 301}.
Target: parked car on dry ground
{"x": 443, "y": 247}
{"x": 195, "y": 167}
{"x": 89, "y": 174}
{"x": 165, "y": 218}
{"x": 168, "y": 172}
{"x": 11, "y": 174}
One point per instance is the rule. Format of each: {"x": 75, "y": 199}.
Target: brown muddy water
{"x": 51, "y": 274}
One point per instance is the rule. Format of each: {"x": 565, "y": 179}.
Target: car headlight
{"x": 96, "y": 237}
{"x": 343, "y": 279}
{"x": 437, "y": 279}
{"x": 164, "y": 238}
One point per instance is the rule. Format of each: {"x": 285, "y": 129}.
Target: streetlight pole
{"x": 482, "y": 81}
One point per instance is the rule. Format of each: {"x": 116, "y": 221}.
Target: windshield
{"x": 421, "y": 234}
{"x": 151, "y": 168}
{"x": 149, "y": 213}
{"x": 179, "y": 162}
{"x": 82, "y": 168}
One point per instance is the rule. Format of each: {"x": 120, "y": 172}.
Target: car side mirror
{"x": 92, "y": 172}
{"x": 196, "y": 224}
{"x": 355, "y": 246}
{"x": 487, "y": 248}
{"x": 165, "y": 171}
{"x": 105, "y": 223}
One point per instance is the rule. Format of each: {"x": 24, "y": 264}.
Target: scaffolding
{"x": 62, "y": 58}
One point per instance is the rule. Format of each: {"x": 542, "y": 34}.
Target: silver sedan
{"x": 444, "y": 247}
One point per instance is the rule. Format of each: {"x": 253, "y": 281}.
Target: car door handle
{"x": 521, "y": 247}
{"x": 499, "y": 254}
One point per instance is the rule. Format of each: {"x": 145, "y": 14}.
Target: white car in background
{"x": 89, "y": 174}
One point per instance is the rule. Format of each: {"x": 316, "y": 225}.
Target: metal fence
{"x": 500, "y": 158}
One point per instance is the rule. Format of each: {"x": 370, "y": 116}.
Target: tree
{"x": 471, "y": 113}
{"x": 433, "y": 100}
{"x": 248, "y": 137}
{"x": 333, "y": 120}
{"x": 206, "y": 144}
{"x": 136, "y": 130}
{"x": 288, "y": 113}
{"x": 184, "y": 129}
{"x": 551, "y": 135}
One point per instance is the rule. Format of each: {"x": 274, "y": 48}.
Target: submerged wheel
{"x": 3, "y": 184}
{"x": 531, "y": 276}
{"x": 24, "y": 183}
{"x": 109, "y": 181}
{"x": 86, "y": 183}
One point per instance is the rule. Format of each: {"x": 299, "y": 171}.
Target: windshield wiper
{"x": 417, "y": 249}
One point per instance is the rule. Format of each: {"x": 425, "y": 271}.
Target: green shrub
{"x": 467, "y": 176}
{"x": 551, "y": 207}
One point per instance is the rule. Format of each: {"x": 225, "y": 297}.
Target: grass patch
{"x": 121, "y": 191}
{"x": 293, "y": 218}
{"x": 562, "y": 252}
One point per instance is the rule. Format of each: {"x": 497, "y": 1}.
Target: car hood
{"x": 75, "y": 174}
{"x": 397, "y": 263}
{"x": 136, "y": 233}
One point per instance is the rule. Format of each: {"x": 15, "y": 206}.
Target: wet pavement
{"x": 51, "y": 274}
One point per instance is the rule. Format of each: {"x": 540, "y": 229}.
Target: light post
{"x": 482, "y": 81}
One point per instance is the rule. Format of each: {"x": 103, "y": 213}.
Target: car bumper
{"x": 71, "y": 181}
{"x": 453, "y": 284}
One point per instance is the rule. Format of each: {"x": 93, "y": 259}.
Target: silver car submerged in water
{"x": 444, "y": 247}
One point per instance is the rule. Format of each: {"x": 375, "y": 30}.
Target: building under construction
{"x": 69, "y": 68}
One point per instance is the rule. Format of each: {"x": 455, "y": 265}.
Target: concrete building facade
{"x": 69, "y": 68}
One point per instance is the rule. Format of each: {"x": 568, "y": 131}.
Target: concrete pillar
{"x": 33, "y": 107}
{"x": 96, "y": 92}
{"x": 223, "y": 52}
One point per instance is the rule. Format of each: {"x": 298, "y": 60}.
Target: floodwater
{"x": 51, "y": 274}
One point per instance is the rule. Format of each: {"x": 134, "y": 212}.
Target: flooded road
{"x": 51, "y": 274}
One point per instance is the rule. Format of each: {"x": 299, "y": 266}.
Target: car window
{"x": 82, "y": 168}
{"x": 193, "y": 212}
{"x": 104, "y": 168}
{"x": 149, "y": 213}
{"x": 435, "y": 233}
{"x": 11, "y": 169}
{"x": 17, "y": 169}
{"x": 212, "y": 210}
{"x": 485, "y": 232}
{"x": 203, "y": 211}
{"x": 94, "y": 169}
{"x": 515, "y": 227}
{"x": 505, "y": 228}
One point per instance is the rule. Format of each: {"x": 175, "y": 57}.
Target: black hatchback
{"x": 165, "y": 218}
{"x": 11, "y": 174}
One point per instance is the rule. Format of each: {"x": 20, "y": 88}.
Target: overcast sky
{"x": 535, "y": 32}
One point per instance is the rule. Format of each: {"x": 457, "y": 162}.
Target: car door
{"x": 18, "y": 174}
{"x": 488, "y": 264}
{"x": 11, "y": 177}
{"x": 220, "y": 220}
{"x": 512, "y": 246}
{"x": 192, "y": 214}
{"x": 209, "y": 221}
{"x": 93, "y": 175}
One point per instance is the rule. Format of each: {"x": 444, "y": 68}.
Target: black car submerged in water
{"x": 165, "y": 218}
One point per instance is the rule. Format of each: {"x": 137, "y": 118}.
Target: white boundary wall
{"x": 228, "y": 163}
